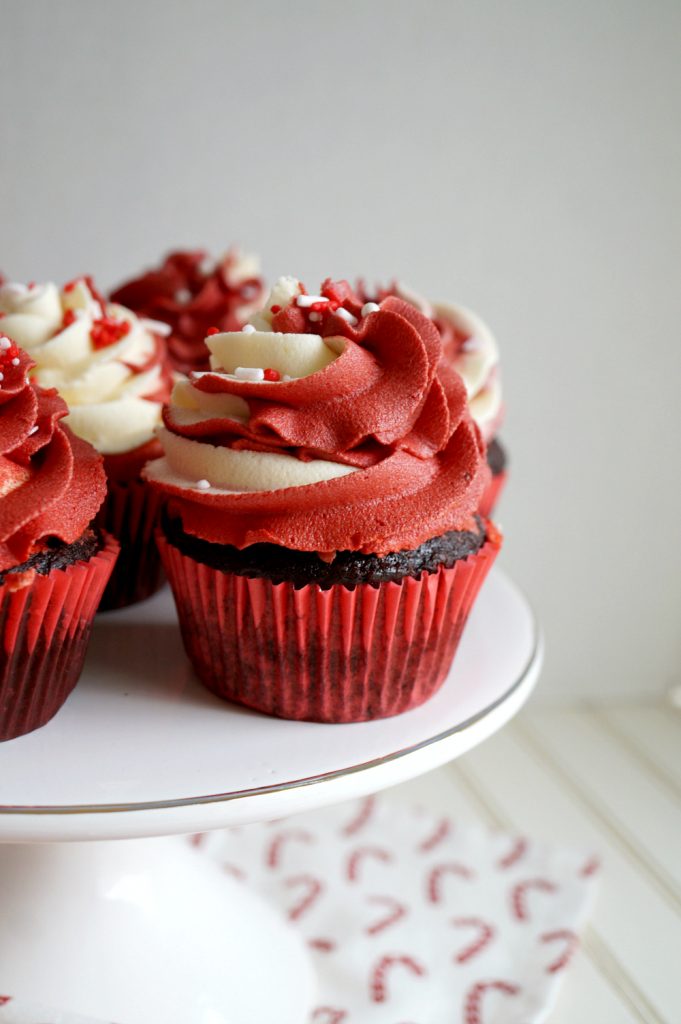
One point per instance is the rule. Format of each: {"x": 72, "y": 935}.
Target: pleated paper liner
{"x": 491, "y": 494}
{"x": 44, "y": 632}
{"x": 335, "y": 655}
{"x": 130, "y": 512}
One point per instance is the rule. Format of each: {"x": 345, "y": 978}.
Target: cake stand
{"x": 147, "y": 930}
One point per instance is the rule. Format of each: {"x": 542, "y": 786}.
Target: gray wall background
{"x": 523, "y": 158}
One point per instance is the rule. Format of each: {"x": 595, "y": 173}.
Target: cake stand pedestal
{"x": 143, "y": 929}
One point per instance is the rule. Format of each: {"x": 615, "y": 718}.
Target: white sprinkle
{"x": 370, "y": 307}
{"x": 314, "y": 317}
{"x": 15, "y": 361}
{"x": 248, "y": 329}
{"x": 249, "y": 373}
{"x": 471, "y": 344}
{"x": 2, "y": 376}
{"x": 183, "y": 295}
{"x": 345, "y": 315}
{"x": 286, "y": 377}
{"x": 156, "y": 327}
{"x": 33, "y": 430}
{"x": 5, "y": 343}
{"x": 207, "y": 265}
{"x": 309, "y": 300}
{"x": 203, "y": 485}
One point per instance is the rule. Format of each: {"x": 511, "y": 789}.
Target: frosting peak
{"x": 51, "y": 483}
{"x": 360, "y": 441}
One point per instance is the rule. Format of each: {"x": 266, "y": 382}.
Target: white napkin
{"x": 411, "y": 919}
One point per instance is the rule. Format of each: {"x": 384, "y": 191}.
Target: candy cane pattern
{"x": 516, "y": 853}
{"x": 378, "y": 987}
{"x": 396, "y": 911}
{"x": 355, "y": 858}
{"x": 571, "y": 943}
{"x": 590, "y": 868}
{"x": 437, "y": 836}
{"x": 362, "y": 817}
{"x": 197, "y": 839}
{"x": 434, "y": 883}
{"x": 519, "y": 893}
{"x": 4, "y": 1000}
{"x": 472, "y": 1012}
{"x": 322, "y": 945}
{"x": 485, "y": 935}
{"x": 273, "y": 856}
{"x": 327, "y": 1015}
{"x": 313, "y": 890}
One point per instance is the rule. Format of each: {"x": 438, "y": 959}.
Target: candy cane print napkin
{"x": 413, "y": 919}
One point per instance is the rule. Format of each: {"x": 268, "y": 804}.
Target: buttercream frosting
{"x": 52, "y": 483}
{"x": 106, "y": 363}
{"x": 190, "y": 293}
{"x": 354, "y": 435}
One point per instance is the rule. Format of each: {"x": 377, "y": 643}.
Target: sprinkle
{"x": 16, "y": 361}
{"x": 248, "y": 329}
{"x": 5, "y": 343}
{"x": 344, "y": 314}
{"x": 183, "y": 295}
{"x": 107, "y": 330}
{"x": 370, "y": 307}
{"x": 211, "y": 331}
{"x": 310, "y": 300}
{"x": 33, "y": 430}
{"x": 2, "y": 376}
{"x": 275, "y": 308}
{"x": 287, "y": 378}
{"x": 315, "y": 317}
{"x": 70, "y": 285}
{"x": 249, "y": 373}
{"x": 271, "y": 374}
{"x": 203, "y": 485}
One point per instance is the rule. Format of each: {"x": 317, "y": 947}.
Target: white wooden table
{"x": 608, "y": 779}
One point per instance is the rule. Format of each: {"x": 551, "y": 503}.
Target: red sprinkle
{"x": 107, "y": 331}
{"x": 70, "y": 285}
{"x": 68, "y": 318}
{"x": 275, "y": 309}
{"x": 212, "y": 330}
{"x": 272, "y": 374}
{"x": 8, "y": 354}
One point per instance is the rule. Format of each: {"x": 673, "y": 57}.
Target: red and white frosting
{"x": 472, "y": 349}
{"x": 108, "y": 365}
{"x": 190, "y": 293}
{"x": 327, "y": 424}
{"x": 51, "y": 482}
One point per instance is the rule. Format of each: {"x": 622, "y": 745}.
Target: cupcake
{"x": 321, "y": 533}
{"x": 54, "y": 564}
{"x": 472, "y": 350}
{"x": 109, "y": 367}
{"x": 191, "y": 293}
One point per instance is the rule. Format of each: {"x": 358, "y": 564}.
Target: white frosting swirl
{"x": 107, "y": 392}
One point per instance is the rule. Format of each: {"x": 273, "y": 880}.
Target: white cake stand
{"x": 145, "y": 930}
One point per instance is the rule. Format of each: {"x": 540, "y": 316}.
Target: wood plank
{"x": 653, "y": 731}
{"x": 636, "y": 930}
{"x": 628, "y": 797}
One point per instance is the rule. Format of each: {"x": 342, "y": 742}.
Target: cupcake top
{"x": 327, "y": 424}
{"x": 469, "y": 345}
{"x": 51, "y": 482}
{"x": 192, "y": 293}
{"x": 106, "y": 363}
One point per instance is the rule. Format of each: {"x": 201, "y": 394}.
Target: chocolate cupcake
{"x": 54, "y": 563}
{"x": 191, "y": 293}
{"x": 472, "y": 350}
{"x": 110, "y": 368}
{"x": 322, "y": 483}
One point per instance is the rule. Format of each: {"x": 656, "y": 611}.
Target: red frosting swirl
{"x": 190, "y": 300}
{"x": 390, "y": 405}
{"x": 51, "y": 482}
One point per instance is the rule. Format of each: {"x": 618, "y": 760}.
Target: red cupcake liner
{"x": 44, "y": 632}
{"x": 335, "y": 655}
{"x": 131, "y": 512}
{"x": 490, "y": 495}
